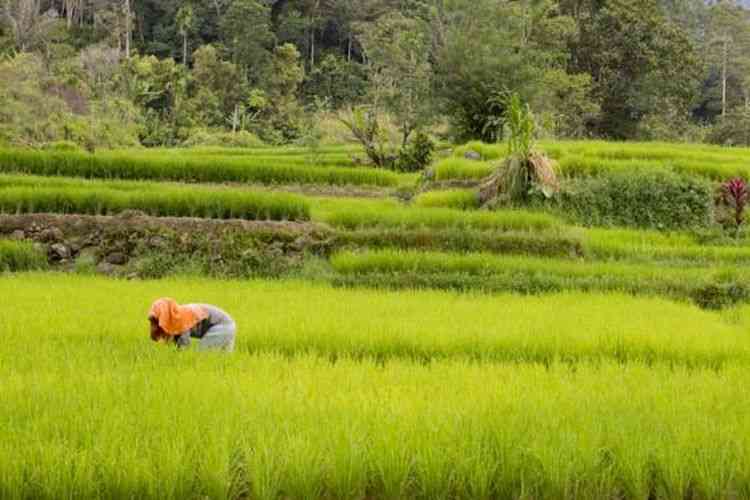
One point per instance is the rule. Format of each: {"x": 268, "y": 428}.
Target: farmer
{"x": 173, "y": 322}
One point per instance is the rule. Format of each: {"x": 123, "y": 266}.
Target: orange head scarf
{"x": 175, "y": 319}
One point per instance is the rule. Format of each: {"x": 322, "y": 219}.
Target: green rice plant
{"x": 366, "y": 216}
{"x": 158, "y": 200}
{"x": 634, "y": 398}
{"x": 488, "y": 152}
{"x": 659, "y": 246}
{"x": 20, "y": 256}
{"x": 297, "y": 318}
{"x": 460, "y": 169}
{"x": 147, "y": 166}
{"x": 712, "y": 287}
{"x": 550, "y": 243}
{"x": 461, "y": 199}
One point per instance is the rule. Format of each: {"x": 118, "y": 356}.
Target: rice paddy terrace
{"x": 395, "y": 339}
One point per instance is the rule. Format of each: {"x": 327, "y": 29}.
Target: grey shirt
{"x": 216, "y": 317}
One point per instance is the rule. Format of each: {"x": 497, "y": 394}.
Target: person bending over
{"x": 172, "y": 322}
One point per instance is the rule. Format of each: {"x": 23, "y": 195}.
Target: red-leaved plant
{"x": 736, "y": 196}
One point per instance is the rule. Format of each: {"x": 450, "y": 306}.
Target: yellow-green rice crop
{"x": 22, "y": 194}
{"x": 462, "y": 199}
{"x": 91, "y": 409}
{"x": 460, "y": 169}
{"x": 538, "y": 275}
{"x": 136, "y": 165}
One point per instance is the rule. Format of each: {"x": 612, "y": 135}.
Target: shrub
{"x": 654, "y": 199}
{"x": 63, "y": 146}
{"x": 241, "y": 139}
{"x": 734, "y": 197}
{"x": 20, "y": 256}
{"x": 415, "y": 155}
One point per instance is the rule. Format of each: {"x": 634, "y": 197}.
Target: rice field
{"x": 365, "y": 394}
{"x": 179, "y": 167}
{"x": 31, "y": 194}
{"x": 586, "y": 158}
{"x": 482, "y": 271}
{"x": 430, "y": 350}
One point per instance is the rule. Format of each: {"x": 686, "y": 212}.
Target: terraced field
{"x": 395, "y": 340}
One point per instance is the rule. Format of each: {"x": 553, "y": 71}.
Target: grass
{"x": 460, "y": 169}
{"x": 461, "y": 199}
{"x": 134, "y": 165}
{"x": 540, "y": 275}
{"x": 20, "y": 256}
{"x": 29, "y": 194}
{"x": 635, "y": 398}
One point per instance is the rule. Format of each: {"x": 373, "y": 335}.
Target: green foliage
{"x": 246, "y": 32}
{"x": 416, "y": 155}
{"x": 144, "y": 166}
{"x": 220, "y": 139}
{"x": 732, "y": 130}
{"x": 654, "y": 199}
{"x": 366, "y": 126}
{"x": 638, "y": 60}
{"x": 18, "y": 256}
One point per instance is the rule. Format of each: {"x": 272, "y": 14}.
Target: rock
{"x": 472, "y": 155}
{"x": 116, "y": 258}
{"x": 18, "y": 235}
{"x": 51, "y": 235}
{"x": 107, "y": 269}
{"x": 158, "y": 242}
{"x": 59, "y": 252}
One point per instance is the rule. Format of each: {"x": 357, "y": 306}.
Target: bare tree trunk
{"x": 724, "y": 79}
{"x": 349, "y": 50}
{"x": 184, "y": 48}
{"x": 312, "y": 47}
{"x": 127, "y": 29}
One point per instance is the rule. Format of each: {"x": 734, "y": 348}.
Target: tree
{"x": 246, "y": 31}
{"x": 284, "y": 83}
{"x": 636, "y": 58}
{"x": 27, "y": 22}
{"x": 397, "y": 51}
{"x": 185, "y": 21}
{"x": 728, "y": 49}
{"x": 482, "y": 47}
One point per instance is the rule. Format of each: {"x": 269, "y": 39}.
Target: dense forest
{"x": 115, "y": 73}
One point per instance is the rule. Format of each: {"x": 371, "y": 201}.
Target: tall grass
{"x": 91, "y": 409}
{"x": 134, "y": 165}
{"x": 20, "y": 256}
{"x": 19, "y": 194}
